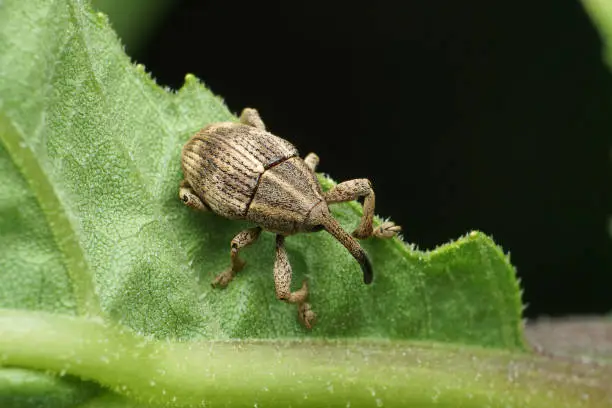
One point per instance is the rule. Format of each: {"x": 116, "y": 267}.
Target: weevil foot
{"x": 387, "y": 229}
{"x": 225, "y": 277}
{"x": 306, "y": 315}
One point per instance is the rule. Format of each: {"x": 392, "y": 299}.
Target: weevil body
{"x": 241, "y": 171}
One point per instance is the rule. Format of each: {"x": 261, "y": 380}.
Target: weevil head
{"x": 315, "y": 219}
{"x": 320, "y": 218}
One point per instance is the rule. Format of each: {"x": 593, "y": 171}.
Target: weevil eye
{"x": 185, "y": 198}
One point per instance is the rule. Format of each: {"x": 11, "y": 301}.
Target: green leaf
{"x": 91, "y": 226}
{"x": 91, "y": 149}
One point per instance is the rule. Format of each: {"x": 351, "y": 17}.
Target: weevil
{"x": 241, "y": 171}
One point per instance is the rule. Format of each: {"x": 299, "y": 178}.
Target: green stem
{"x": 28, "y": 388}
{"x": 296, "y": 373}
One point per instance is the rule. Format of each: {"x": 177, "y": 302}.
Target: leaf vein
{"x": 57, "y": 219}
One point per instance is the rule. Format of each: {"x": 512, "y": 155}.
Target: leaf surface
{"x": 92, "y": 223}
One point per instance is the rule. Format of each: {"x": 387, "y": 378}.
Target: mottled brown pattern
{"x": 351, "y": 190}
{"x": 240, "y": 171}
{"x": 284, "y": 198}
{"x": 282, "y": 270}
{"x": 282, "y": 284}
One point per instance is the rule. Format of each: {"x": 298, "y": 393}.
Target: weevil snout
{"x": 353, "y": 247}
{"x": 320, "y": 218}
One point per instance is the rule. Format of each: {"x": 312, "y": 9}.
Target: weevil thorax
{"x": 286, "y": 195}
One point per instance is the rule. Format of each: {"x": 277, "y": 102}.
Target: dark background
{"x": 467, "y": 115}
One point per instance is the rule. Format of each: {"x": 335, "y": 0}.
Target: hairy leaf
{"x": 93, "y": 224}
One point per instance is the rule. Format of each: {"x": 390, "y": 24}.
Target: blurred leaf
{"x": 601, "y": 14}
{"x": 587, "y": 338}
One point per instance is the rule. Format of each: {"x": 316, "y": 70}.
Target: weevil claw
{"x": 306, "y": 315}
{"x": 387, "y": 229}
{"x": 223, "y": 279}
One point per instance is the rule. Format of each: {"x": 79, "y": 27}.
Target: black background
{"x": 466, "y": 115}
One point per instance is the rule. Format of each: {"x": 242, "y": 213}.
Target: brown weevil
{"x": 240, "y": 171}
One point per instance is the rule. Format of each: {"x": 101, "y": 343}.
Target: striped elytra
{"x": 242, "y": 172}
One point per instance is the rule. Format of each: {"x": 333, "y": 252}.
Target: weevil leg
{"x": 250, "y": 116}
{"x": 312, "y": 160}
{"x": 353, "y": 189}
{"x": 189, "y": 197}
{"x": 244, "y": 238}
{"x": 282, "y": 283}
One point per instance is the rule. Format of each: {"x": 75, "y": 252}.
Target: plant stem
{"x": 296, "y": 373}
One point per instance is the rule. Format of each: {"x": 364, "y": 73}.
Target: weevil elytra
{"x": 240, "y": 171}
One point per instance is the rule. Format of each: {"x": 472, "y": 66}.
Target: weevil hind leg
{"x": 189, "y": 197}
{"x": 241, "y": 240}
{"x": 250, "y": 116}
{"x": 282, "y": 283}
{"x": 352, "y": 190}
{"x": 312, "y": 161}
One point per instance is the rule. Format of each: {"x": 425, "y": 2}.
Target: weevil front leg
{"x": 244, "y": 238}
{"x": 353, "y": 189}
{"x": 282, "y": 283}
{"x": 250, "y": 116}
{"x": 189, "y": 197}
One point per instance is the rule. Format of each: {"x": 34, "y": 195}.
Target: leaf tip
{"x": 478, "y": 235}
{"x": 102, "y": 19}
{"x": 190, "y": 79}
